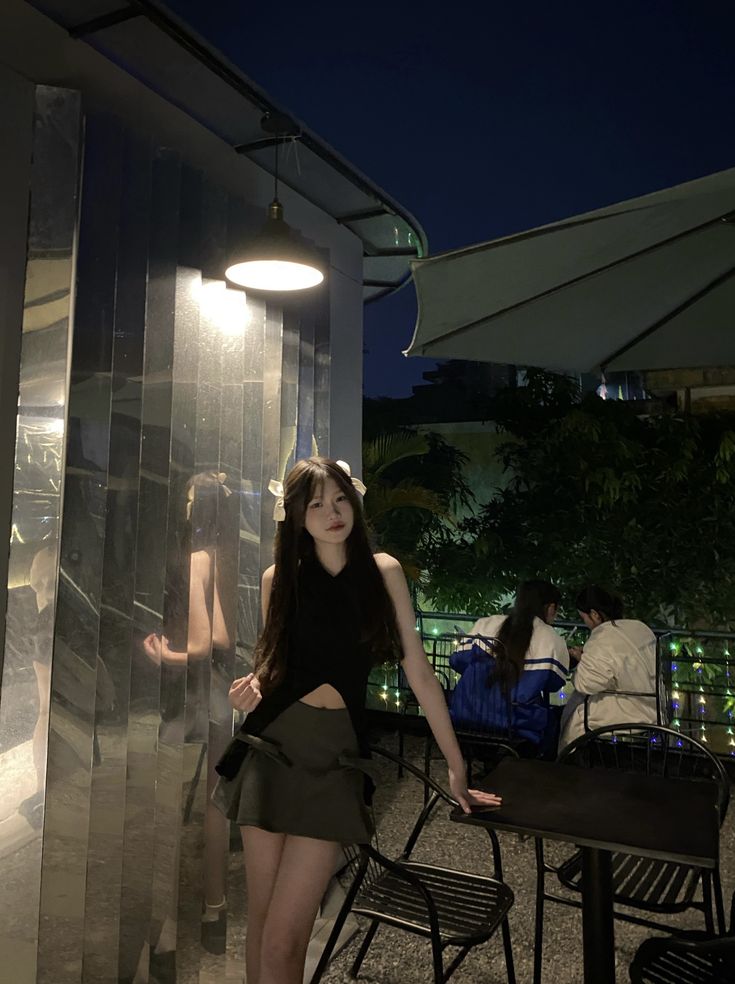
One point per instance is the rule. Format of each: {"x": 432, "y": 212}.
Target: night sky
{"x": 485, "y": 119}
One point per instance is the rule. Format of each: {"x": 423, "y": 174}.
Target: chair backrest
{"x": 650, "y": 749}
{"x": 439, "y": 648}
{"x": 664, "y": 686}
{"x": 653, "y": 696}
{"x": 660, "y": 694}
{"x": 503, "y": 736}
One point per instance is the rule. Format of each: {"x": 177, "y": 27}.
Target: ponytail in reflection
{"x": 292, "y": 545}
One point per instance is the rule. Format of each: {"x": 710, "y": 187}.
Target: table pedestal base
{"x": 598, "y": 932}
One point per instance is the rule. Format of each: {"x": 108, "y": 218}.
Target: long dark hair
{"x": 294, "y": 544}
{"x": 607, "y": 605}
{"x": 208, "y": 520}
{"x": 532, "y": 599}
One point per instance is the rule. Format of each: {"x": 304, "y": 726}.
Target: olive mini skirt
{"x": 303, "y": 775}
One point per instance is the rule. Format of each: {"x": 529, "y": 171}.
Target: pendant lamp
{"x": 278, "y": 258}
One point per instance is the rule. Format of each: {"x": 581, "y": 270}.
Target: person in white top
{"x": 619, "y": 655}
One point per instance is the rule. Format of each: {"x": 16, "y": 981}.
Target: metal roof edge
{"x": 199, "y": 48}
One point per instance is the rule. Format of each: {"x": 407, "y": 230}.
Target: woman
{"x": 620, "y": 654}
{"x": 331, "y": 611}
{"x": 199, "y": 640}
{"x": 503, "y": 686}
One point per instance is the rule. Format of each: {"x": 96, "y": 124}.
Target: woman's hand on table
{"x": 469, "y": 798}
{"x": 245, "y": 693}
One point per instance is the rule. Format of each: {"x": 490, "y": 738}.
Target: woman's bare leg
{"x": 263, "y": 851}
{"x": 304, "y": 871}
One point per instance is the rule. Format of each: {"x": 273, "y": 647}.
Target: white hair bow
{"x": 276, "y": 488}
{"x": 279, "y": 510}
{"x": 355, "y": 481}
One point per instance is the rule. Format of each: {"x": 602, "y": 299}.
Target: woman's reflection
{"x": 42, "y": 580}
{"x": 199, "y": 634}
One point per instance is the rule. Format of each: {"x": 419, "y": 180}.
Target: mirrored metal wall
{"x": 35, "y": 530}
{"x": 184, "y": 399}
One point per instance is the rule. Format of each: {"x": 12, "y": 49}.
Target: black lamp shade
{"x": 277, "y": 258}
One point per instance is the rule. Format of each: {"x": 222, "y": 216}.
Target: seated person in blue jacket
{"x": 504, "y": 687}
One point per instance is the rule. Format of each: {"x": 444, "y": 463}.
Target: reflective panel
{"x": 227, "y": 662}
{"x": 17, "y": 96}
{"x": 321, "y": 375}
{"x": 305, "y": 443}
{"x": 112, "y": 713}
{"x": 271, "y": 451}
{"x": 76, "y": 670}
{"x": 186, "y": 397}
{"x": 34, "y": 544}
{"x": 139, "y": 934}
{"x": 256, "y": 511}
{"x": 289, "y": 391}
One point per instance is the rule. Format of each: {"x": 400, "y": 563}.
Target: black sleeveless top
{"x": 325, "y": 645}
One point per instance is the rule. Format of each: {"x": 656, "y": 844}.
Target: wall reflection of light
{"x": 226, "y": 309}
{"x": 55, "y": 425}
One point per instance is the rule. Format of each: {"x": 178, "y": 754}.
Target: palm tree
{"x": 400, "y": 507}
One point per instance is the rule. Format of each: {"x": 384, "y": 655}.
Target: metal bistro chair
{"x": 451, "y": 908}
{"x": 646, "y": 884}
{"x": 692, "y": 958}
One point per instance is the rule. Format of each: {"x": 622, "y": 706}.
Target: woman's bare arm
{"x": 423, "y": 682}
{"x": 245, "y": 691}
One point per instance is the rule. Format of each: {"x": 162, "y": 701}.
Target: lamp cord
{"x": 275, "y": 185}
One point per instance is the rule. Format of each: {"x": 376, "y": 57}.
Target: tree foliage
{"x": 414, "y": 483}
{"x": 599, "y": 493}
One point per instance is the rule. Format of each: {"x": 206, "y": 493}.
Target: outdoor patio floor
{"x": 399, "y": 958}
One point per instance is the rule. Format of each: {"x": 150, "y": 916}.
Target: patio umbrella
{"x": 645, "y": 284}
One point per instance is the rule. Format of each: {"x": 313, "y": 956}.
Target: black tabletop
{"x": 671, "y": 819}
